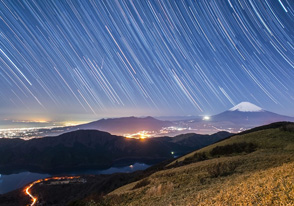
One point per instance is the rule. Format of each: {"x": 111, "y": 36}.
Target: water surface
{"x": 14, "y": 181}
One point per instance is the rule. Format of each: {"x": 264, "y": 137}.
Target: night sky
{"x": 76, "y": 60}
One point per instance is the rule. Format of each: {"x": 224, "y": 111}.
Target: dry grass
{"x": 273, "y": 186}
{"x": 264, "y": 139}
{"x": 194, "y": 185}
{"x": 263, "y": 177}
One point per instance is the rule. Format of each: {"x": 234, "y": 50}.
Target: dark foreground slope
{"x": 255, "y": 168}
{"x": 91, "y": 149}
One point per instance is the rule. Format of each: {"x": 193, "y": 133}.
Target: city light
{"x": 206, "y": 118}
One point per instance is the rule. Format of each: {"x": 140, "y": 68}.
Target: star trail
{"x": 62, "y": 60}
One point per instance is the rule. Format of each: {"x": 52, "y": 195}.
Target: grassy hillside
{"x": 277, "y": 138}
{"x": 256, "y": 168}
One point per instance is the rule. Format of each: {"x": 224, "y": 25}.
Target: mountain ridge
{"x": 124, "y": 125}
{"x": 248, "y": 114}
{"x": 92, "y": 149}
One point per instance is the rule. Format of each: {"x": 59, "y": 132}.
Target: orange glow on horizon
{"x": 139, "y": 135}
{"x": 31, "y": 121}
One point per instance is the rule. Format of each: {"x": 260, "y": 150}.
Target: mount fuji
{"x": 247, "y": 114}
{"x": 246, "y": 107}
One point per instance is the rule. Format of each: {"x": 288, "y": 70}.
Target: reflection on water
{"x": 15, "y": 181}
{"x": 126, "y": 169}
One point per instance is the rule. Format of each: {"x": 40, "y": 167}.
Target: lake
{"x": 14, "y": 181}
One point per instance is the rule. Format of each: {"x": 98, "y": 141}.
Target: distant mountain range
{"x": 237, "y": 119}
{"x": 125, "y": 125}
{"x": 84, "y": 149}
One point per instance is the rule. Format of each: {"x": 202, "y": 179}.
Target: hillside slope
{"x": 79, "y": 149}
{"x": 93, "y": 149}
{"x": 255, "y": 168}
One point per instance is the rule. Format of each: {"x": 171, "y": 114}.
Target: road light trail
{"x": 34, "y": 199}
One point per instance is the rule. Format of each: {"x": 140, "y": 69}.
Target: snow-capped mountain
{"x": 246, "y": 107}
{"x": 241, "y": 117}
{"x": 248, "y": 114}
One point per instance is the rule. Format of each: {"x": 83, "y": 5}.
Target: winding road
{"x": 34, "y": 199}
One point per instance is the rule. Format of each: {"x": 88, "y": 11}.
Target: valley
{"x": 216, "y": 175}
